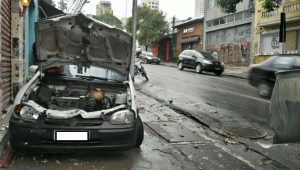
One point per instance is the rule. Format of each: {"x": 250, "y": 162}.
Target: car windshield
{"x": 209, "y": 56}
{"x": 94, "y": 73}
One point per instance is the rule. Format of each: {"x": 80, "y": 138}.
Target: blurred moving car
{"x": 200, "y": 61}
{"x": 149, "y": 57}
{"x": 263, "y": 75}
{"x": 77, "y": 99}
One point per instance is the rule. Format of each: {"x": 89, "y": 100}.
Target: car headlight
{"x": 27, "y": 112}
{"x": 207, "y": 62}
{"x": 122, "y": 117}
{"x": 149, "y": 58}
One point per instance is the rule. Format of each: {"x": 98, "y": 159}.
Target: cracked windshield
{"x": 149, "y": 84}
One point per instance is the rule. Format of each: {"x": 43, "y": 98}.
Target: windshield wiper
{"x": 97, "y": 78}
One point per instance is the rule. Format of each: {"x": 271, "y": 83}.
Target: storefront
{"x": 190, "y": 35}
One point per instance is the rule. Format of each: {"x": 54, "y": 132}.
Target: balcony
{"x": 292, "y": 11}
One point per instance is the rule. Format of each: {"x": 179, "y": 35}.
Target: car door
{"x": 296, "y": 63}
{"x": 184, "y": 58}
{"x": 193, "y": 59}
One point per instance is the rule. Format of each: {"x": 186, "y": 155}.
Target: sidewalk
{"x": 238, "y": 72}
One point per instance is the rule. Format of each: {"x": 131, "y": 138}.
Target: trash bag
{"x": 285, "y": 107}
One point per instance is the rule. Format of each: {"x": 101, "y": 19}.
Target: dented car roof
{"x": 81, "y": 40}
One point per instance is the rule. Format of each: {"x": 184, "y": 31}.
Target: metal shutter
{"x": 6, "y": 53}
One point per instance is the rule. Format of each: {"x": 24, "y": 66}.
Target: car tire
{"x": 198, "y": 68}
{"x": 180, "y": 65}
{"x": 140, "y": 133}
{"x": 264, "y": 89}
{"x": 218, "y": 73}
{"x": 157, "y": 63}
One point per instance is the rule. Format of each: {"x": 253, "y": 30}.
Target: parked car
{"x": 81, "y": 96}
{"x": 149, "y": 57}
{"x": 263, "y": 75}
{"x": 200, "y": 61}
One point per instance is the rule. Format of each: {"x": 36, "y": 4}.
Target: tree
{"x": 110, "y": 20}
{"x": 151, "y": 25}
{"x": 229, "y": 6}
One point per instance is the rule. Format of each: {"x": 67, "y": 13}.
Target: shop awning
{"x": 189, "y": 40}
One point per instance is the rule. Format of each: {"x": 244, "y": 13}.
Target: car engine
{"x": 66, "y": 98}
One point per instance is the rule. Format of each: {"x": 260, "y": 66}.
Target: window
{"x": 230, "y": 18}
{"x": 283, "y": 62}
{"x": 222, "y": 20}
{"x": 209, "y": 23}
{"x": 216, "y": 22}
{"x": 239, "y": 16}
{"x": 247, "y": 14}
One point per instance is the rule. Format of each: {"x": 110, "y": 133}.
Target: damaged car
{"x": 81, "y": 95}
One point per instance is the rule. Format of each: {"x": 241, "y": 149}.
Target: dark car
{"x": 150, "y": 58}
{"x": 263, "y": 75}
{"x": 200, "y": 61}
{"x": 81, "y": 96}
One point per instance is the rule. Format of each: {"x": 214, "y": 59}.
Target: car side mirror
{"x": 194, "y": 57}
{"x": 33, "y": 69}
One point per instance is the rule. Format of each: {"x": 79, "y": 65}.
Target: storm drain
{"x": 174, "y": 132}
{"x": 250, "y": 132}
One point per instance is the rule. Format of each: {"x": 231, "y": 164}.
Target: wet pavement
{"x": 185, "y": 128}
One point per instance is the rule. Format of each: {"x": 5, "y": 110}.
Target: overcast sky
{"x": 182, "y": 9}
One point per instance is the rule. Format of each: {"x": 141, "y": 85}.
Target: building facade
{"x": 266, "y": 33}
{"x": 104, "y": 7}
{"x": 152, "y": 4}
{"x": 199, "y": 8}
{"x": 229, "y": 35}
{"x": 190, "y": 35}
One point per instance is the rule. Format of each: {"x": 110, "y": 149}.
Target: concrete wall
{"x": 231, "y": 44}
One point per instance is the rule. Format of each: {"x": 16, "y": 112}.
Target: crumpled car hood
{"x": 80, "y": 40}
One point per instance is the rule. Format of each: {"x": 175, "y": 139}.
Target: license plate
{"x": 71, "y": 136}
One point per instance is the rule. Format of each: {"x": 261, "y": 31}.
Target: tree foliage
{"x": 229, "y": 6}
{"x": 110, "y": 20}
{"x": 151, "y": 25}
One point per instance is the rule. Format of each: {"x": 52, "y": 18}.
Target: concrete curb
{"x": 225, "y": 74}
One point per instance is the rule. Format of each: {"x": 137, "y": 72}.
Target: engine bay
{"x": 87, "y": 98}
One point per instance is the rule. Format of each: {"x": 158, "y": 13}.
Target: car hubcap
{"x": 198, "y": 68}
{"x": 180, "y": 65}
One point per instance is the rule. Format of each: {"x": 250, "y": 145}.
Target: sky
{"x": 182, "y": 9}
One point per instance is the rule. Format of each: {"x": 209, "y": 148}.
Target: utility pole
{"x": 134, "y": 24}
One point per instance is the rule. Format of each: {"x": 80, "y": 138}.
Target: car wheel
{"x": 198, "y": 68}
{"x": 264, "y": 89}
{"x": 218, "y": 73}
{"x": 180, "y": 65}
{"x": 140, "y": 133}
{"x": 157, "y": 63}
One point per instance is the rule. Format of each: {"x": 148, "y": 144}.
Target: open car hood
{"x": 80, "y": 40}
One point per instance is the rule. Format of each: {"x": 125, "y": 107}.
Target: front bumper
{"x": 212, "y": 67}
{"x": 26, "y": 136}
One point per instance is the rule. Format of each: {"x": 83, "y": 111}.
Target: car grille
{"x": 74, "y": 122}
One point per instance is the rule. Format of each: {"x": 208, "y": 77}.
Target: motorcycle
{"x": 139, "y": 69}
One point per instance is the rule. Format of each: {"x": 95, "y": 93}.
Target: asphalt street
{"x": 226, "y": 98}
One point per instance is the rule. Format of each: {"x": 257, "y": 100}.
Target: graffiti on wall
{"x": 232, "y": 45}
